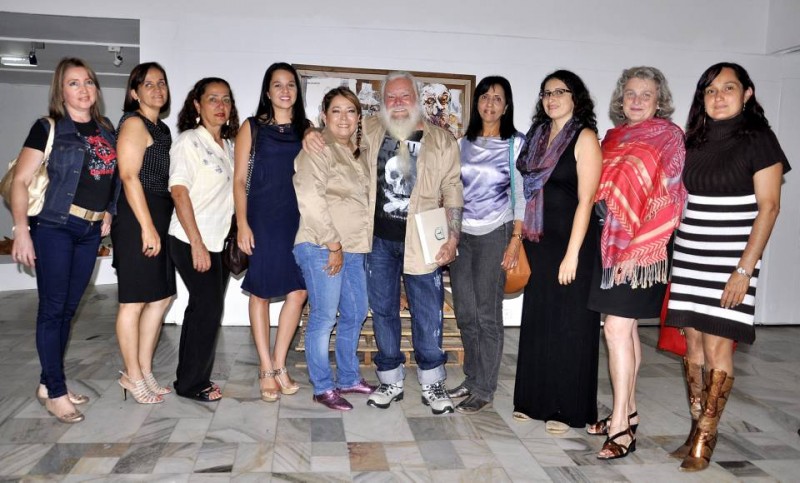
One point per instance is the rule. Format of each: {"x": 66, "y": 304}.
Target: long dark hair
{"x": 265, "y": 114}
{"x": 754, "y": 119}
{"x": 187, "y": 119}
{"x": 584, "y": 106}
{"x": 136, "y": 79}
{"x": 475, "y": 126}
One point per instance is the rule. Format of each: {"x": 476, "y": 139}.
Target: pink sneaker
{"x": 333, "y": 400}
{"x": 361, "y": 388}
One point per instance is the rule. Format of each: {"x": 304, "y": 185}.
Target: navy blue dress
{"x": 272, "y": 214}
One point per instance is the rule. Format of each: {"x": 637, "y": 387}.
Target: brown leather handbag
{"x": 516, "y": 278}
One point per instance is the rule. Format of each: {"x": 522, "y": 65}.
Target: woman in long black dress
{"x": 268, "y": 219}
{"x": 557, "y": 360}
{"x": 145, "y": 273}
{"x": 733, "y": 173}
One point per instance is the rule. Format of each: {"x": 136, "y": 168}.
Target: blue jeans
{"x": 346, "y": 292}
{"x": 425, "y": 294}
{"x": 65, "y": 259}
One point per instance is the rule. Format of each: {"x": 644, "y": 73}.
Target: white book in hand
{"x": 433, "y": 232}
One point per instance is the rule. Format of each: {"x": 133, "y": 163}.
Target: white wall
{"x": 520, "y": 39}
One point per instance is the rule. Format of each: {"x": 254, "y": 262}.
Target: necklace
{"x": 484, "y": 138}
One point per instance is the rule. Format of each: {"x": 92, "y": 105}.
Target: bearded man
{"x": 417, "y": 166}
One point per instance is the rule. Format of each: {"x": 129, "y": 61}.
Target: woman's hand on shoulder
{"x": 313, "y": 142}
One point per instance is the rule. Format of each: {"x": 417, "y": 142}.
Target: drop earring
{"x": 197, "y": 120}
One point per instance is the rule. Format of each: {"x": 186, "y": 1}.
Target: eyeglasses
{"x": 557, "y": 93}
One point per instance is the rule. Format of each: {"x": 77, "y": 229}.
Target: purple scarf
{"x": 536, "y": 163}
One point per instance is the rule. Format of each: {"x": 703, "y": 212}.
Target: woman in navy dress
{"x": 268, "y": 219}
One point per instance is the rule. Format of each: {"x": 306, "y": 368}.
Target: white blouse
{"x": 206, "y": 170}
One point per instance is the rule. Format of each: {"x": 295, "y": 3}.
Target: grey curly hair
{"x": 664, "y": 98}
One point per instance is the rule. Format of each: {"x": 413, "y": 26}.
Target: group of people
{"x": 323, "y": 215}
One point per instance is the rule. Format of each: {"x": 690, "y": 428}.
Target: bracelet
{"x": 14, "y": 228}
{"x": 518, "y": 236}
{"x": 335, "y": 251}
{"x": 742, "y": 271}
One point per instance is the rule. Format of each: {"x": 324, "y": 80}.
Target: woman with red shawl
{"x": 641, "y": 196}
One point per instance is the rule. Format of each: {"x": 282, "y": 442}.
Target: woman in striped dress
{"x": 733, "y": 172}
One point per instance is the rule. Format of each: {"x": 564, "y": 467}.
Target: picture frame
{"x": 445, "y": 99}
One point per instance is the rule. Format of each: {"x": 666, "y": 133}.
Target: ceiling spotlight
{"x": 15, "y": 61}
{"x": 117, "y": 57}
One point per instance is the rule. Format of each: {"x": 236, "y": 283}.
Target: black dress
{"x": 559, "y": 336}
{"x": 141, "y": 278}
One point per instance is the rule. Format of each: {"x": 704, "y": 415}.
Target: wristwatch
{"x": 742, "y": 271}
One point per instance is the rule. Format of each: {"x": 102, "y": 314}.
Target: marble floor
{"x": 242, "y": 438}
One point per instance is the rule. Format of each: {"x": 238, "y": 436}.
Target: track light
{"x": 117, "y": 57}
{"x": 32, "y": 58}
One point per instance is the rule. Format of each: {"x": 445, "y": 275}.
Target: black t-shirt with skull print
{"x": 396, "y": 180}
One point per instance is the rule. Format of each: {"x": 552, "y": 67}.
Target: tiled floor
{"x": 244, "y": 439}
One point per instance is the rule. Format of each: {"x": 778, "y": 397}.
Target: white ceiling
{"x": 83, "y": 37}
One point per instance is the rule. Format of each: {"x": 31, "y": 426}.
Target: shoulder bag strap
{"x": 253, "y": 134}
{"x": 50, "y": 137}
{"x": 511, "y": 168}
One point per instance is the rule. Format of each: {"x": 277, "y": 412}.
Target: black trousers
{"x": 201, "y": 320}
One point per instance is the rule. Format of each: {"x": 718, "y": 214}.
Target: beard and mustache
{"x": 402, "y": 128}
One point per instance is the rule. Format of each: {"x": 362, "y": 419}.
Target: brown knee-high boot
{"x": 718, "y": 388}
{"x": 694, "y": 389}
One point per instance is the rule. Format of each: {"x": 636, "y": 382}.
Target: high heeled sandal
{"x": 600, "y": 428}
{"x": 71, "y": 417}
{"x": 618, "y": 450}
{"x": 139, "y": 390}
{"x": 154, "y": 386}
{"x": 268, "y": 395}
{"x": 289, "y": 387}
{"x": 76, "y": 399}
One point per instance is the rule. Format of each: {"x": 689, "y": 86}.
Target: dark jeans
{"x": 201, "y": 320}
{"x": 478, "y": 280}
{"x": 65, "y": 259}
{"x": 425, "y": 294}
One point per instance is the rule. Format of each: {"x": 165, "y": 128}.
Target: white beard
{"x": 401, "y": 129}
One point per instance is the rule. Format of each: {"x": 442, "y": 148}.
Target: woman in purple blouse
{"x": 491, "y": 237}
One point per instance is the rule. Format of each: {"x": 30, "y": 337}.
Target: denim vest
{"x": 64, "y": 169}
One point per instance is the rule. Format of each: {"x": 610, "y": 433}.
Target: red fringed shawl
{"x": 641, "y": 185}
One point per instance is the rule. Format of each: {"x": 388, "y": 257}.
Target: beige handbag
{"x": 39, "y": 181}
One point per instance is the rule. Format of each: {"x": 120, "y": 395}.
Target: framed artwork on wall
{"x": 445, "y": 99}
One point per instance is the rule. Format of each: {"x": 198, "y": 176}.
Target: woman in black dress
{"x": 734, "y": 169}
{"x": 557, "y": 362}
{"x": 145, "y": 273}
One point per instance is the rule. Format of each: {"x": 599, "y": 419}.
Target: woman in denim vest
{"x": 61, "y": 242}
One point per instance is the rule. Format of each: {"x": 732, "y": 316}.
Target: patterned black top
{"x": 725, "y": 164}
{"x": 154, "y": 174}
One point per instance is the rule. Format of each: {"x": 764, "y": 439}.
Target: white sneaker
{"x": 385, "y": 394}
{"x": 435, "y": 396}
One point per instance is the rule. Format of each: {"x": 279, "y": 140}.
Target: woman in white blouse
{"x": 201, "y": 184}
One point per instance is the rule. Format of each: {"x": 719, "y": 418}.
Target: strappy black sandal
{"x": 618, "y": 450}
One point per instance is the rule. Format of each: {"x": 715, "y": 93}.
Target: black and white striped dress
{"x": 716, "y": 226}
